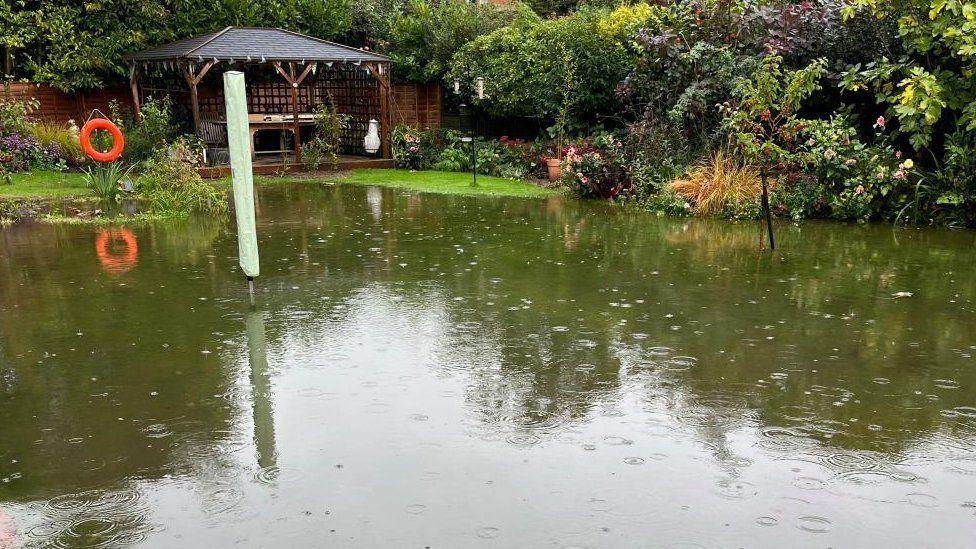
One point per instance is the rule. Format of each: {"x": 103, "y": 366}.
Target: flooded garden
{"x": 449, "y": 371}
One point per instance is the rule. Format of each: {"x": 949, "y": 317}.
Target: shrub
{"x": 62, "y": 136}
{"x": 930, "y": 91}
{"x": 150, "y": 133}
{"x": 666, "y": 202}
{"x": 172, "y": 186}
{"x": 875, "y": 173}
{"x": 762, "y": 116}
{"x": 425, "y": 38}
{"x": 312, "y": 156}
{"x": 800, "y": 198}
{"x": 329, "y": 125}
{"x": 23, "y": 153}
{"x": 524, "y": 67}
{"x": 621, "y": 23}
{"x": 15, "y": 114}
{"x": 106, "y": 180}
{"x": 508, "y": 158}
{"x": 719, "y": 184}
{"x": 595, "y": 169}
{"x": 655, "y": 154}
{"x": 413, "y": 149}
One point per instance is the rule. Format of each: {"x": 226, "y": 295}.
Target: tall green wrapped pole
{"x": 239, "y": 147}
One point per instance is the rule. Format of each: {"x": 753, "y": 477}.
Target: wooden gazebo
{"x": 289, "y": 75}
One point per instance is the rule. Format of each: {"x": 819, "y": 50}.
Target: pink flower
{"x": 811, "y": 142}
{"x": 898, "y": 154}
{"x": 859, "y": 189}
{"x": 900, "y": 174}
{"x": 850, "y": 162}
{"x": 880, "y": 122}
{"x": 829, "y": 154}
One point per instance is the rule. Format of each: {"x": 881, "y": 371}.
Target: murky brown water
{"x": 457, "y": 372}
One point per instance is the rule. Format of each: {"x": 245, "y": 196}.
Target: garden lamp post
{"x": 479, "y": 92}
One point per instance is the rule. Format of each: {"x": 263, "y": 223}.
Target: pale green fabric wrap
{"x": 239, "y": 147}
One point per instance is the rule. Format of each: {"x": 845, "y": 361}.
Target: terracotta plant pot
{"x": 555, "y": 168}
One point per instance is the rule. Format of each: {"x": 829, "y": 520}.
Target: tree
{"x": 425, "y": 38}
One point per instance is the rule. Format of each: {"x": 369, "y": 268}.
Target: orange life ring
{"x": 116, "y": 261}
{"x": 118, "y": 142}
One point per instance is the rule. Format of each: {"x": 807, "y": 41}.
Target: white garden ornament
{"x": 372, "y": 140}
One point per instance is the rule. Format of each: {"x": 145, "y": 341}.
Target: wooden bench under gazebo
{"x": 288, "y": 76}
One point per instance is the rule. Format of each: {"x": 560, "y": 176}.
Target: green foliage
{"x": 312, "y": 156}
{"x": 448, "y": 151}
{"x": 626, "y": 19}
{"x": 80, "y": 45}
{"x": 324, "y": 147}
{"x": 666, "y": 202}
{"x": 800, "y": 198}
{"x": 62, "y": 137}
{"x": 372, "y": 22}
{"x": 932, "y": 89}
{"x": 685, "y": 64}
{"x": 762, "y": 117}
{"x": 424, "y": 39}
{"x": 524, "y": 66}
{"x": 595, "y": 168}
{"x": 172, "y": 187}
{"x": 76, "y": 45}
{"x": 413, "y": 149}
{"x": 508, "y": 158}
{"x": 105, "y": 180}
{"x": 151, "y": 132}
{"x": 872, "y": 178}
{"x": 15, "y": 113}
{"x": 656, "y": 153}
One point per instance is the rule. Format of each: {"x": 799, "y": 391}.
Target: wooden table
{"x": 280, "y": 122}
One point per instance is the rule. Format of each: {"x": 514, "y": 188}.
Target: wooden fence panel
{"x": 417, "y": 105}
{"x": 58, "y": 107}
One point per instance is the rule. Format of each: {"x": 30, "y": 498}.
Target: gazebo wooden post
{"x": 381, "y": 71}
{"x": 295, "y": 127}
{"x": 385, "y": 105}
{"x": 193, "y": 78}
{"x": 294, "y": 81}
{"x": 134, "y": 86}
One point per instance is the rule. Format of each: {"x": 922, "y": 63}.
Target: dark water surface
{"x": 470, "y": 372}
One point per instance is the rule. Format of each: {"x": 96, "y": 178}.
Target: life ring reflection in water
{"x": 117, "y": 250}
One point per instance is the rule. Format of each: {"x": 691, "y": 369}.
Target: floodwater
{"x": 429, "y": 371}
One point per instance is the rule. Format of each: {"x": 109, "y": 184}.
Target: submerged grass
{"x": 100, "y": 221}
{"x": 430, "y": 182}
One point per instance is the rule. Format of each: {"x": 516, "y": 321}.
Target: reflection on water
{"x": 457, "y": 372}
{"x": 257, "y": 354}
{"x": 117, "y": 250}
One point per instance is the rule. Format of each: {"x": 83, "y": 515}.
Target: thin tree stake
{"x": 765, "y": 205}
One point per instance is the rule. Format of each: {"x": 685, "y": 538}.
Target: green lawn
{"x": 444, "y": 183}
{"x": 43, "y": 184}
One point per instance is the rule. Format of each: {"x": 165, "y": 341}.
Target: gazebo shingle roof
{"x": 258, "y": 44}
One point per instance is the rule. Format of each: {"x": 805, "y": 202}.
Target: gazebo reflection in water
{"x": 289, "y": 75}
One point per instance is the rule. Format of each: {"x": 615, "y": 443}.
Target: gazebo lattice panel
{"x": 353, "y": 90}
